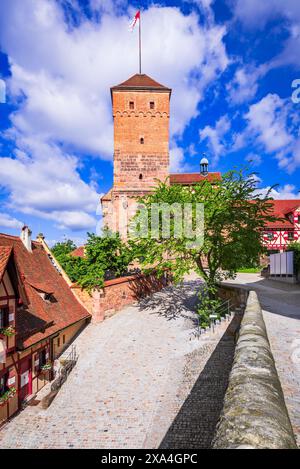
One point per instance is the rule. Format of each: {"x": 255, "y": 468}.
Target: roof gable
{"x": 38, "y": 318}
{"x": 140, "y": 82}
{"x": 281, "y": 209}
{"x": 5, "y": 252}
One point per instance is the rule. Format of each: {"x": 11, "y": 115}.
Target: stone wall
{"x": 254, "y": 414}
{"x": 120, "y": 292}
{"x": 84, "y": 296}
{"x": 237, "y": 295}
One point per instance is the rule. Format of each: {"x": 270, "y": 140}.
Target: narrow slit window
{"x": 42, "y": 358}
{"x": 152, "y": 105}
{"x": 140, "y": 177}
{"x": 3, "y": 383}
{"x": 131, "y": 105}
{"x": 4, "y": 318}
{"x": 142, "y": 141}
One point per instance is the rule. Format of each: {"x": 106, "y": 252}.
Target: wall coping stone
{"x": 254, "y": 413}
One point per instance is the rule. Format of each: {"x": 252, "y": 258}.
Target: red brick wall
{"x": 131, "y": 158}
{"x": 123, "y": 291}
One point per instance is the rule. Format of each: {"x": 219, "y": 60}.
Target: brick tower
{"x": 141, "y": 111}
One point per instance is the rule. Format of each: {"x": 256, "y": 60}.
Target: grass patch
{"x": 249, "y": 270}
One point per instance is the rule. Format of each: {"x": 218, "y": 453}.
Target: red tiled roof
{"x": 78, "y": 252}
{"x": 193, "y": 178}
{"x": 38, "y": 319}
{"x": 41, "y": 286}
{"x": 281, "y": 208}
{"x": 143, "y": 82}
{"x": 5, "y": 252}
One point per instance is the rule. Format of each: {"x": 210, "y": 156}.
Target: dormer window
{"x": 131, "y": 105}
{"x": 49, "y": 297}
{"x": 152, "y": 105}
{"x": 142, "y": 141}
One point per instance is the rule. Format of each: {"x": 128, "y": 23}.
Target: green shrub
{"x": 208, "y": 304}
{"x": 295, "y": 246}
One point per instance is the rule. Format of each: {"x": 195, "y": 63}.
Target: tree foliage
{"x": 234, "y": 215}
{"x": 295, "y": 246}
{"x": 105, "y": 257}
{"x": 71, "y": 265}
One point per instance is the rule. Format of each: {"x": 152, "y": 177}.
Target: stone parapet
{"x": 254, "y": 414}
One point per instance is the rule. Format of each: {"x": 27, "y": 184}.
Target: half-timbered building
{"x": 278, "y": 235}
{"x": 39, "y": 317}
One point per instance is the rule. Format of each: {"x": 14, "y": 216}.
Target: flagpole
{"x": 140, "y": 45}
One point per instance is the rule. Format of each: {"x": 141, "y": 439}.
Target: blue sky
{"x": 230, "y": 63}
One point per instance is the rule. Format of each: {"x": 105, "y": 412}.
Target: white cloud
{"x": 270, "y": 123}
{"x": 61, "y": 75}
{"x": 288, "y": 191}
{"x": 67, "y": 74}
{"x": 244, "y": 85}
{"x": 177, "y": 162}
{"x": 290, "y": 53}
{"x": 267, "y": 120}
{"x": 176, "y": 159}
{"x": 254, "y": 159}
{"x": 73, "y": 220}
{"x": 7, "y": 221}
{"x": 256, "y": 13}
{"x": 107, "y": 6}
{"x": 215, "y": 136}
{"x": 44, "y": 182}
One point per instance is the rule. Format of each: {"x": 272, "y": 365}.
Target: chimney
{"x": 26, "y": 238}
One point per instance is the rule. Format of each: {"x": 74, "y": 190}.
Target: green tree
{"x": 72, "y": 265}
{"x": 234, "y": 215}
{"x": 105, "y": 256}
{"x": 63, "y": 248}
{"x": 295, "y": 246}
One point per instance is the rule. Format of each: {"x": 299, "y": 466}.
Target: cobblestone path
{"x": 134, "y": 372}
{"x": 281, "y": 309}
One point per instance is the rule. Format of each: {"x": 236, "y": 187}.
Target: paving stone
{"x": 134, "y": 372}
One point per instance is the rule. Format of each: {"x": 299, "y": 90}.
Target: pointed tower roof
{"x": 140, "y": 82}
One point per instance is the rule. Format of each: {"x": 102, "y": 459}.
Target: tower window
{"x": 140, "y": 177}
{"x": 142, "y": 141}
{"x": 152, "y": 105}
{"x": 131, "y": 105}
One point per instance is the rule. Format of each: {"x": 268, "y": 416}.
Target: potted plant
{"x": 46, "y": 367}
{"x": 7, "y": 395}
{"x": 7, "y": 331}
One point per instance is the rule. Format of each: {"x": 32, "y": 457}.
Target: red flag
{"x": 137, "y": 16}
